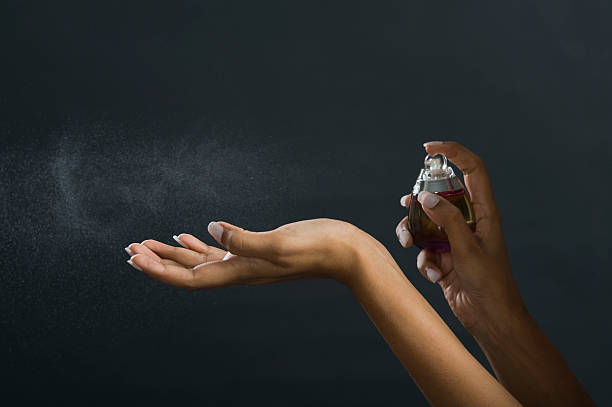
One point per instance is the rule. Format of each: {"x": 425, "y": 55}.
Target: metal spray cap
{"x": 436, "y": 176}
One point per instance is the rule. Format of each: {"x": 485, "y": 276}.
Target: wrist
{"x": 371, "y": 263}
{"x": 350, "y": 251}
{"x": 497, "y": 327}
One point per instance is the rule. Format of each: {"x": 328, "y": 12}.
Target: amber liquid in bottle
{"x": 428, "y": 235}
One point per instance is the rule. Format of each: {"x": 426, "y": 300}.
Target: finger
{"x": 475, "y": 174}
{"x": 245, "y": 243}
{"x": 403, "y": 234}
{"x": 429, "y": 265}
{"x": 238, "y": 270}
{"x": 139, "y": 248}
{"x": 187, "y": 257}
{"x": 191, "y": 242}
{"x": 215, "y": 274}
{"x": 448, "y": 216}
{"x": 405, "y": 200}
{"x": 436, "y": 267}
{"x": 168, "y": 273}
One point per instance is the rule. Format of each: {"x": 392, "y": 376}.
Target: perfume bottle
{"x": 438, "y": 178}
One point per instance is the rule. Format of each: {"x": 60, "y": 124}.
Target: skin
{"x": 475, "y": 276}
{"x": 445, "y": 371}
{"x": 477, "y": 282}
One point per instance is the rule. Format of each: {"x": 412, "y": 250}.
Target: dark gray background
{"x": 121, "y": 122}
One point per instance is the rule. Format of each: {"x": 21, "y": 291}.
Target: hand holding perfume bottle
{"x": 464, "y": 252}
{"x": 460, "y": 233}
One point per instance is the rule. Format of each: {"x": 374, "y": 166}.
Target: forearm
{"x": 444, "y": 370}
{"x": 528, "y": 364}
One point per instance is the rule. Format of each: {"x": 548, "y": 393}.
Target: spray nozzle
{"x": 436, "y": 167}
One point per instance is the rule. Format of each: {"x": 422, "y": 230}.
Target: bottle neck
{"x": 450, "y": 183}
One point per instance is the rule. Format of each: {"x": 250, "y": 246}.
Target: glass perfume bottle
{"x": 438, "y": 178}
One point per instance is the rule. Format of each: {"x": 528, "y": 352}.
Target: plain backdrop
{"x": 122, "y": 121}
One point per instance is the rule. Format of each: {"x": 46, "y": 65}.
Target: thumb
{"x": 243, "y": 242}
{"x": 448, "y": 216}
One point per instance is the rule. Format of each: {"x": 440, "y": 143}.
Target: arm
{"x": 444, "y": 370}
{"x": 529, "y": 365}
{"x": 477, "y": 282}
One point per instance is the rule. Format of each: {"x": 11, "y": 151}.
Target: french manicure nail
{"x": 228, "y": 255}
{"x": 427, "y": 199}
{"x": 403, "y": 200}
{"x": 432, "y": 143}
{"x": 128, "y": 250}
{"x": 215, "y": 230}
{"x": 403, "y": 236}
{"x": 175, "y": 237}
{"x": 432, "y": 274}
{"x": 134, "y": 265}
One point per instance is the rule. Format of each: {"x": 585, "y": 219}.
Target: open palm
{"x": 316, "y": 248}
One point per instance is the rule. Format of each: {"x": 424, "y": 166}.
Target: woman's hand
{"x": 475, "y": 275}
{"x": 478, "y": 285}
{"x": 318, "y": 248}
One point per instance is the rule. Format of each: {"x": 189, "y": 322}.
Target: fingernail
{"x": 403, "y": 200}
{"x": 433, "y": 143}
{"x": 427, "y": 199}
{"x": 432, "y": 274}
{"x": 133, "y": 265}
{"x": 128, "y": 250}
{"x": 175, "y": 237}
{"x": 228, "y": 255}
{"x": 215, "y": 230}
{"x": 403, "y": 236}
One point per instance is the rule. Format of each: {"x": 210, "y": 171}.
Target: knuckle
{"x": 451, "y": 143}
{"x": 203, "y": 258}
{"x": 473, "y": 163}
{"x": 479, "y": 162}
{"x": 226, "y": 237}
{"x": 234, "y": 242}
